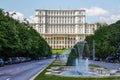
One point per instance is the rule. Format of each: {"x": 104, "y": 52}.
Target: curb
{"x": 33, "y": 77}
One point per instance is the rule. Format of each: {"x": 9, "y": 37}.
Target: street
{"x": 23, "y": 71}
{"x": 111, "y": 66}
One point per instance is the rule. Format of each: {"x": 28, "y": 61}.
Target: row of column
{"x": 61, "y": 42}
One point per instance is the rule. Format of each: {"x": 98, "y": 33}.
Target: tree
{"x": 107, "y": 39}
{"x": 20, "y": 39}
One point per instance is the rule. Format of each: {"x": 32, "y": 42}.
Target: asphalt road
{"x": 23, "y": 71}
{"x": 110, "y": 66}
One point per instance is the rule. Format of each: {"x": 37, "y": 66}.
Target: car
{"x": 1, "y": 62}
{"x": 15, "y": 60}
{"x": 97, "y": 59}
{"x": 28, "y": 59}
{"x": 8, "y": 61}
{"x": 20, "y": 59}
{"x": 111, "y": 59}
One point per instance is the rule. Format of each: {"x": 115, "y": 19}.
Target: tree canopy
{"x": 107, "y": 40}
{"x": 20, "y": 39}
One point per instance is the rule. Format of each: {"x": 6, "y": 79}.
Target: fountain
{"x": 65, "y": 55}
{"x": 80, "y": 66}
{"x": 77, "y": 63}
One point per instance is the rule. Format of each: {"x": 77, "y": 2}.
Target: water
{"x": 81, "y": 65}
{"x": 65, "y": 55}
{"x": 74, "y": 73}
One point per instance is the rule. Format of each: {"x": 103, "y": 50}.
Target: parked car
{"x": 28, "y": 58}
{"x": 111, "y": 59}
{"x": 20, "y": 59}
{"x": 24, "y": 59}
{"x": 8, "y": 61}
{"x": 15, "y": 60}
{"x": 1, "y": 62}
{"x": 97, "y": 59}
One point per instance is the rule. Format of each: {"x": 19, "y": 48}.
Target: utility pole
{"x": 93, "y": 49}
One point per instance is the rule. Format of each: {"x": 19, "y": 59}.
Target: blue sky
{"x": 97, "y": 10}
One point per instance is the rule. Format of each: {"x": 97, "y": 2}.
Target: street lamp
{"x": 93, "y": 49}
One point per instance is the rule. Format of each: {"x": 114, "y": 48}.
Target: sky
{"x": 96, "y": 10}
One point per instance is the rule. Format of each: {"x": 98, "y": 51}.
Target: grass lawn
{"x": 60, "y": 51}
{"x": 42, "y": 76}
{"x": 91, "y": 65}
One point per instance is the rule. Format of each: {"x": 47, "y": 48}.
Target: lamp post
{"x": 93, "y": 49}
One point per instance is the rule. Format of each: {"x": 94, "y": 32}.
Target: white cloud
{"x": 18, "y": 16}
{"x": 96, "y": 11}
{"x": 110, "y": 19}
{"x": 32, "y": 19}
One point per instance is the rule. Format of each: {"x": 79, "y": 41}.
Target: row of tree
{"x": 107, "y": 40}
{"x": 20, "y": 39}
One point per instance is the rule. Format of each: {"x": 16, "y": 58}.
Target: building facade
{"x": 62, "y": 28}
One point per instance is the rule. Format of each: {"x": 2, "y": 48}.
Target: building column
{"x": 64, "y": 42}
{"x": 55, "y": 42}
{"x": 76, "y": 39}
{"x": 67, "y": 41}
{"x": 50, "y": 29}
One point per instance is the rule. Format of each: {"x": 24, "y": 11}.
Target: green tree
{"x": 107, "y": 39}
{"x": 20, "y": 39}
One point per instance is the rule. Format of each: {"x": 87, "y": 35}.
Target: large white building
{"x": 62, "y": 28}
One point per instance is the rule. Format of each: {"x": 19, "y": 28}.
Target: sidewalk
{"x": 110, "y": 66}
{"x": 33, "y": 77}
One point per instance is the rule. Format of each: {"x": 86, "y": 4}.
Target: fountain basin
{"x": 70, "y": 71}
{"x": 74, "y": 73}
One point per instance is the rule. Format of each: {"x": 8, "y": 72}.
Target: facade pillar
{"x": 64, "y": 42}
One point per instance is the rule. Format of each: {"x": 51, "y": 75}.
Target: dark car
{"x": 1, "y": 62}
{"x": 111, "y": 59}
{"x": 97, "y": 59}
{"x": 8, "y": 61}
{"x": 15, "y": 60}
